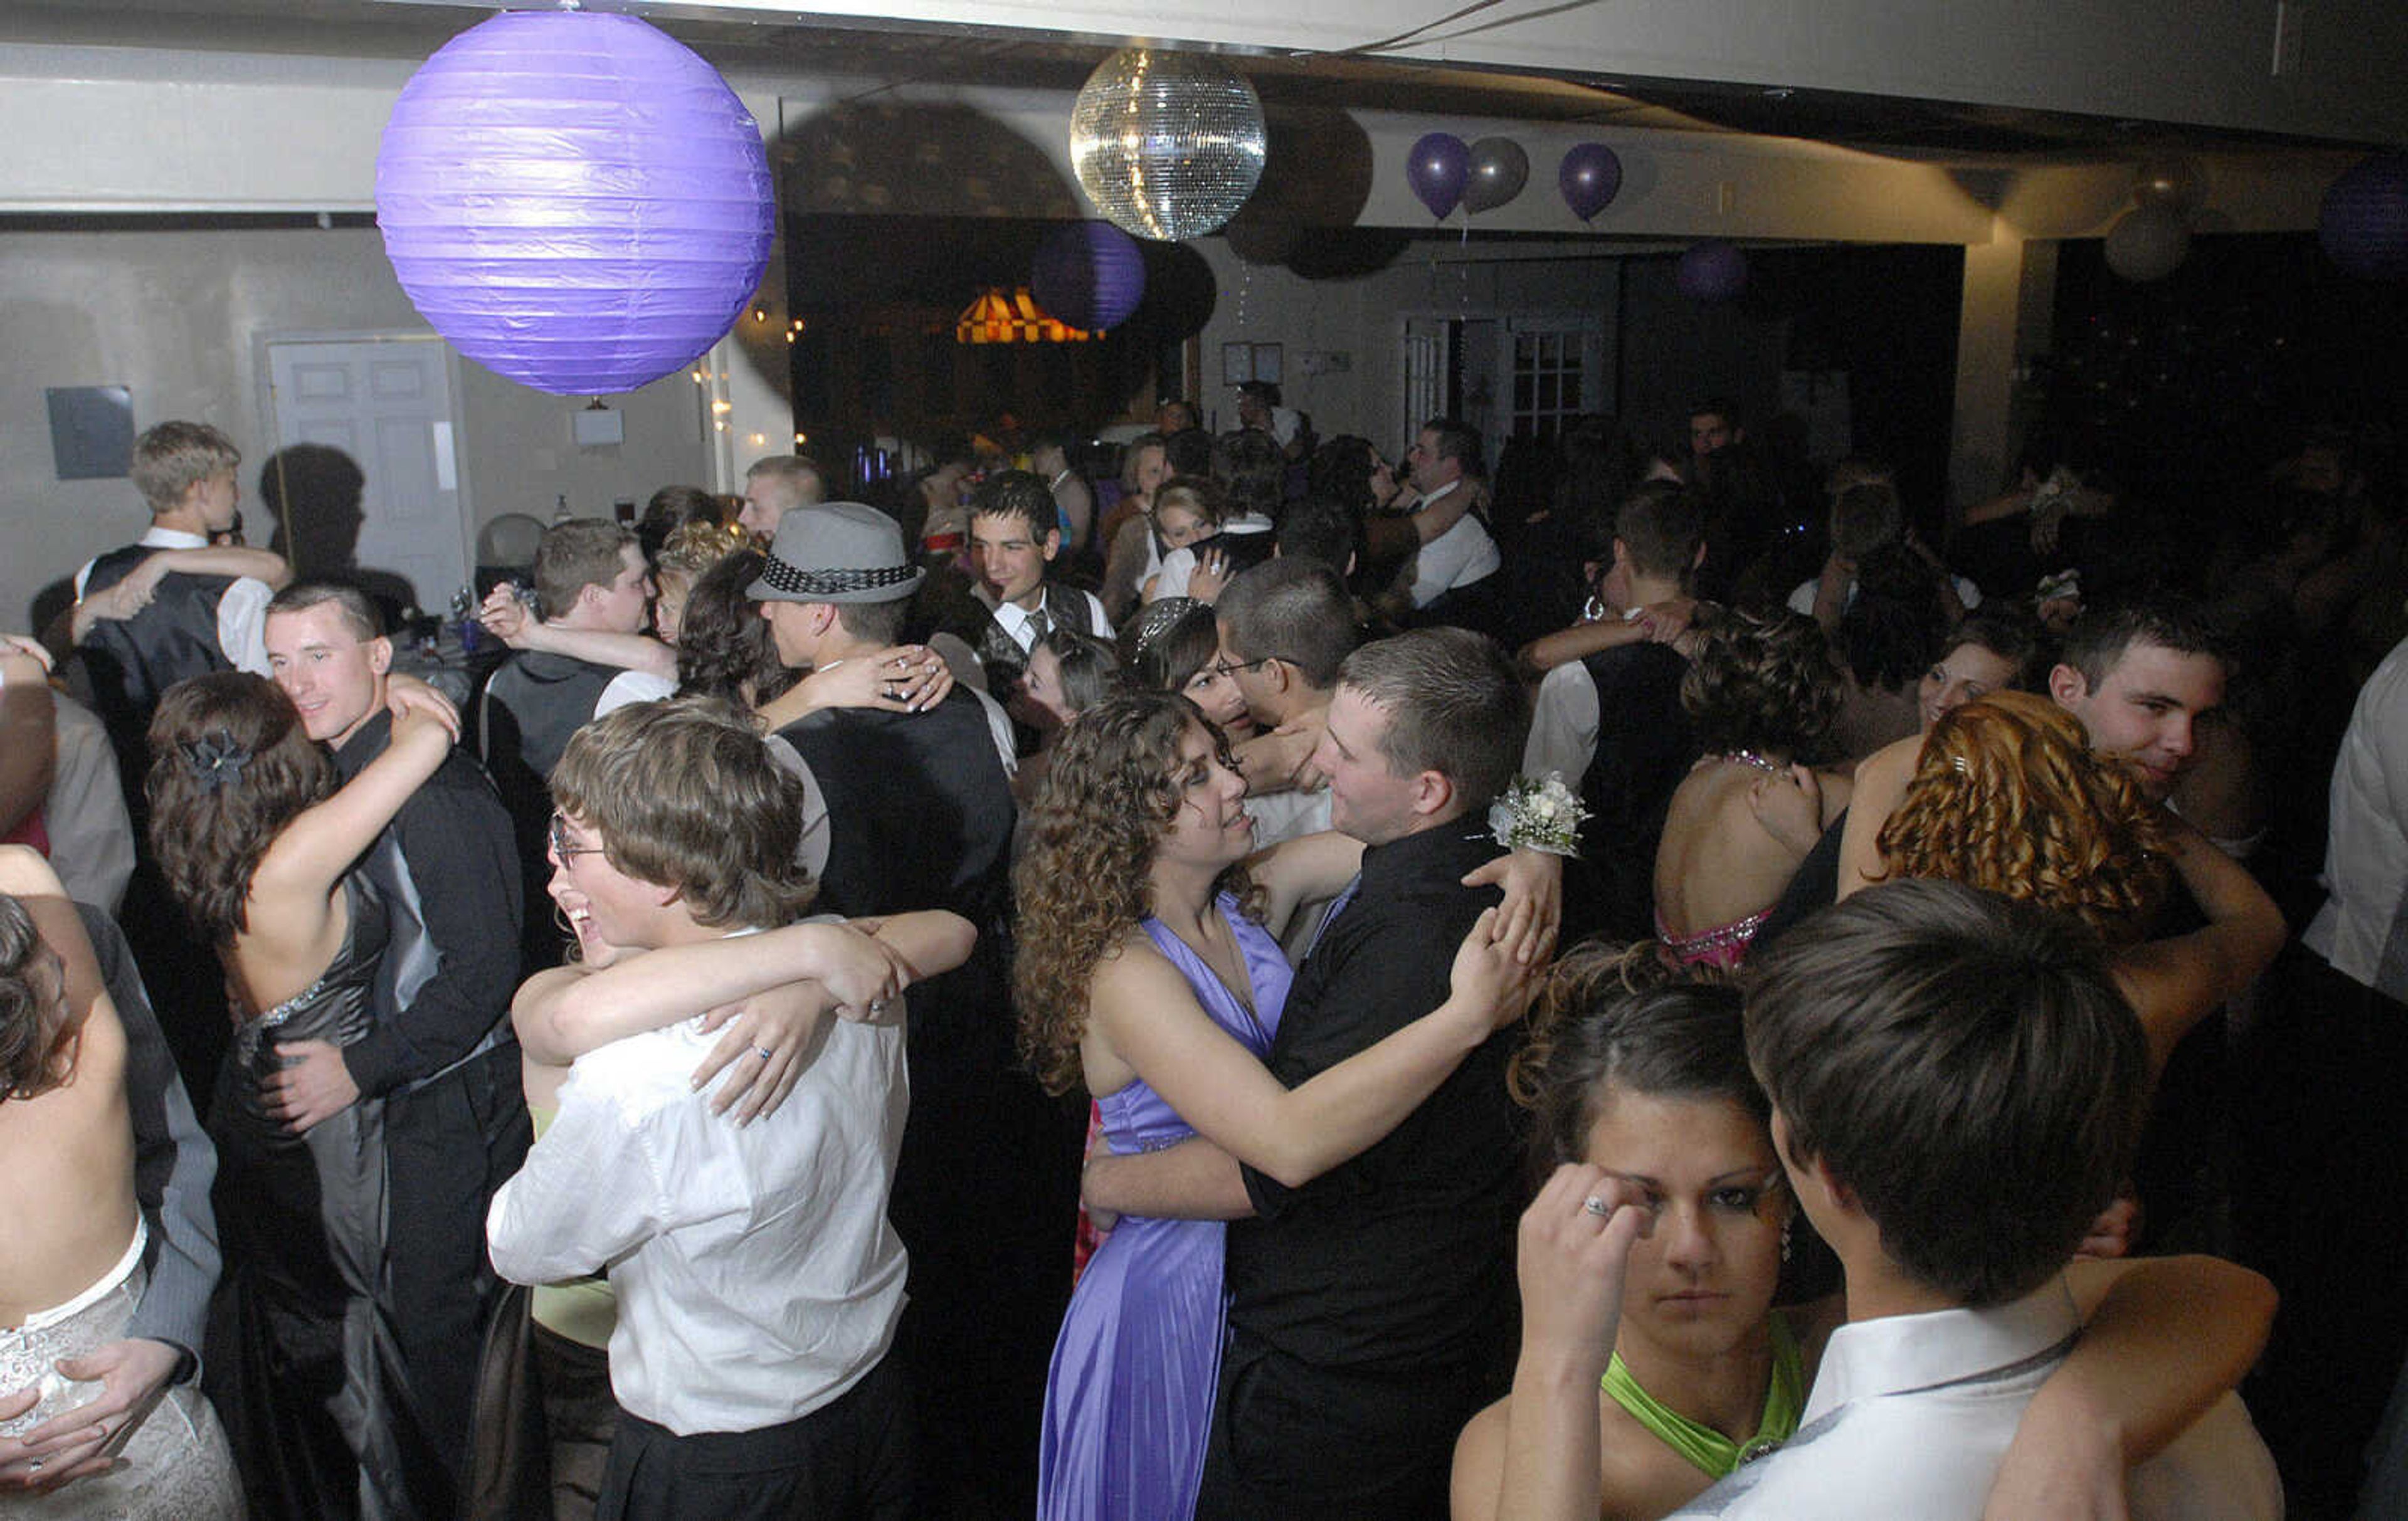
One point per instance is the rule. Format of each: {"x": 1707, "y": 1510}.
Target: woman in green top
{"x": 1652, "y": 1361}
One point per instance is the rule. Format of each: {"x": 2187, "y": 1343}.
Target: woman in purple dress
{"x": 1148, "y": 972}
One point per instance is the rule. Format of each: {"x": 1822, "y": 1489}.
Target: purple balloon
{"x": 1438, "y": 169}
{"x": 1590, "y": 179}
{"x": 1713, "y": 270}
{"x": 2363, "y": 223}
{"x": 1089, "y": 274}
{"x": 575, "y": 200}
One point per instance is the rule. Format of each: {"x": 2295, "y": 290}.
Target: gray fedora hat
{"x": 836, "y": 551}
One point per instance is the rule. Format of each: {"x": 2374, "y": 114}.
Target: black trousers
{"x": 1292, "y": 1440}
{"x": 450, "y": 1145}
{"x": 846, "y": 1461}
{"x": 2323, "y": 1211}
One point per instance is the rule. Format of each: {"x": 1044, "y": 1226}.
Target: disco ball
{"x": 1169, "y": 145}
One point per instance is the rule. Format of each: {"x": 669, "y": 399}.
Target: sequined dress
{"x": 306, "y": 1368}
{"x": 174, "y": 1468}
{"x": 1129, "y": 1397}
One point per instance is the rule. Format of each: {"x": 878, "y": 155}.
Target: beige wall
{"x": 174, "y": 315}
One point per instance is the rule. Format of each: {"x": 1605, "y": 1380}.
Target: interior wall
{"x": 173, "y": 315}
{"x": 1359, "y": 319}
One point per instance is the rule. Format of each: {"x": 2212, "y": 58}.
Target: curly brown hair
{"x": 1083, "y": 884}
{"x": 1765, "y": 683}
{"x": 231, "y": 765}
{"x": 2008, "y": 796}
{"x": 36, "y": 1047}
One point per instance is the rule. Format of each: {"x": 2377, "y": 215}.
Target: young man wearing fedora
{"x": 919, "y": 816}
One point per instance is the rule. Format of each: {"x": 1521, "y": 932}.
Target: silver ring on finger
{"x": 877, "y": 1006}
{"x": 1596, "y": 1206}
{"x": 763, "y": 1052}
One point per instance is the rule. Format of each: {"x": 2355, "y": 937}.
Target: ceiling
{"x": 1923, "y": 130}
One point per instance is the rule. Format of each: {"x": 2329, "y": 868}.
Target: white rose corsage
{"x": 1537, "y": 813}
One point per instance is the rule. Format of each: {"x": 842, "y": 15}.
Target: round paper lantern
{"x": 1438, "y": 168}
{"x": 1713, "y": 270}
{"x": 2175, "y": 183}
{"x": 1590, "y": 179}
{"x": 2148, "y": 244}
{"x": 1169, "y": 145}
{"x": 2363, "y": 223}
{"x": 1089, "y": 274}
{"x": 574, "y": 199}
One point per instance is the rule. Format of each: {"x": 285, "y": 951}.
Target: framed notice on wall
{"x": 91, "y": 431}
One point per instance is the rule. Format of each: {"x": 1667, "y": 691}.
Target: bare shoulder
{"x": 1133, "y": 973}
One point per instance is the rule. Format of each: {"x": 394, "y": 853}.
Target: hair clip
{"x": 215, "y": 760}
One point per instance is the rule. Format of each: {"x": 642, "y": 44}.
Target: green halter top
{"x": 1714, "y": 1453}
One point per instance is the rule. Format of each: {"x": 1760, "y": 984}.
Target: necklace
{"x": 1749, "y": 757}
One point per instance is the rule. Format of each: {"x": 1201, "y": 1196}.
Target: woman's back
{"x": 67, "y": 1213}
{"x": 1731, "y": 841}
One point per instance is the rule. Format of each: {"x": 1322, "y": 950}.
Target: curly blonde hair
{"x": 1083, "y": 884}
{"x": 2008, "y": 796}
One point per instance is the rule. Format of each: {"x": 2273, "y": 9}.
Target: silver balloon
{"x": 1499, "y": 169}
{"x": 1169, "y": 145}
{"x": 2174, "y": 182}
{"x": 2148, "y": 244}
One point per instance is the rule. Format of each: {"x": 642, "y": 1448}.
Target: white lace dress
{"x": 176, "y": 1466}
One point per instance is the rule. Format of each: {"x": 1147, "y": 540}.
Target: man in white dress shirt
{"x": 1956, "y": 1083}
{"x": 1014, "y": 535}
{"x": 758, "y": 1282}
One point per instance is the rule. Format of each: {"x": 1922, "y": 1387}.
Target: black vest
{"x": 919, "y": 816}
{"x": 531, "y": 707}
{"x": 132, "y": 662}
{"x": 1645, "y": 745}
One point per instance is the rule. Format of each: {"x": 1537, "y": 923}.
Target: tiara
{"x": 1158, "y": 617}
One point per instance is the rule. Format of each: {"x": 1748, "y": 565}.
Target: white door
{"x": 386, "y": 404}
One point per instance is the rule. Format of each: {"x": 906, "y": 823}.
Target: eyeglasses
{"x": 1226, "y": 668}
{"x": 563, "y": 847}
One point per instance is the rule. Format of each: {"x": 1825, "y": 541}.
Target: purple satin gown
{"x": 1128, "y": 1400}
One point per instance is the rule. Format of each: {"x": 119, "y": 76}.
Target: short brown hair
{"x": 1296, "y": 611}
{"x": 683, "y": 794}
{"x": 1964, "y": 1066}
{"x": 1661, "y": 525}
{"x": 231, "y": 765}
{"x": 1454, "y": 706}
{"x": 173, "y": 457}
{"x": 573, "y": 555}
{"x": 359, "y": 611}
{"x": 1019, "y": 494}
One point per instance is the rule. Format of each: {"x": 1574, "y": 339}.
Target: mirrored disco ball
{"x": 1169, "y": 145}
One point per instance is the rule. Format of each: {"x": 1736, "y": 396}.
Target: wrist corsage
{"x": 1537, "y": 813}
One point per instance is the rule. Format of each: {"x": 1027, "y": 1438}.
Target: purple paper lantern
{"x": 1089, "y": 274}
{"x": 2363, "y": 223}
{"x": 1713, "y": 270}
{"x": 575, "y": 200}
